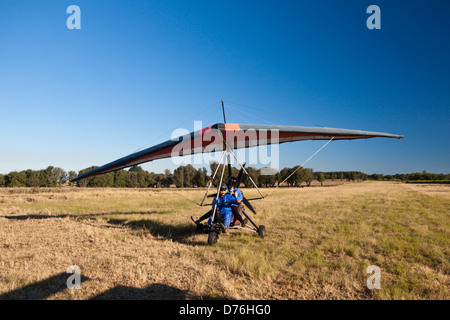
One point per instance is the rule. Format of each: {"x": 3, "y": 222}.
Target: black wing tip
{"x": 76, "y": 179}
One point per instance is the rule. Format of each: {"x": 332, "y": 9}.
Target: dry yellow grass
{"x": 141, "y": 244}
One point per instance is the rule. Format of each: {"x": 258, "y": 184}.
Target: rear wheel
{"x": 262, "y": 231}
{"x": 213, "y": 237}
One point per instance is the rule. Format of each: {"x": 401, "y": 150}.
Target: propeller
{"x": 247, "y": 203}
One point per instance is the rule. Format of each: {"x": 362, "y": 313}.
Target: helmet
{"x": 223, "y": 186}
{"x": 232, "y": 181}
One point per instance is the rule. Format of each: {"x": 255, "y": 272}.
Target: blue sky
{"x": 138, "y": 70}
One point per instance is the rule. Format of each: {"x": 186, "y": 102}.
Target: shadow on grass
{"x": 40, "y": 290}
{"x": 177, "y": 233}
{"x": 45, "y": 288}
{"x": 76, "y": 216}
{"x": 155, "y": 291}
{"x": 37, "y": 216}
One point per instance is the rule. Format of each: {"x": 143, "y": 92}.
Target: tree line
{"x": 189, "y": 177}
{"x": 356, "y": 175}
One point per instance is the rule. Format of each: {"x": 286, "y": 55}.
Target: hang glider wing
{"x": 219, "y": 136}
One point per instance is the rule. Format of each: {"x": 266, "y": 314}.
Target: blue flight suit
{"x": 224, "y": 207}
{"x": 238, "y": 196}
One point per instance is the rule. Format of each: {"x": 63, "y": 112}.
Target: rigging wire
{"x": 301, "y": 166}
{"x": 176, "y": 127}
{"x": 237, "y": 115}
{"x": 249, "y": 114}
{"x": 186, "y": 198}
{"x": 268, "y": 112}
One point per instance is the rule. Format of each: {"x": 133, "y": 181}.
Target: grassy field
{"x": 141, "y": 244}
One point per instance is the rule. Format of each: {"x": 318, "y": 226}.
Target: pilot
{"x": 224, "y": 203}
{"x": 234, "y": 191}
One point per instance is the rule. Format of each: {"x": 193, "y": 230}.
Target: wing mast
{"x": 223, "y": 111}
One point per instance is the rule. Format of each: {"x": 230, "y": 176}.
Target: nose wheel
{"x": 213, "y": 237}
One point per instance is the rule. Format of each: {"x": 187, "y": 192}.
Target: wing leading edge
{"x": 217, "y": 137}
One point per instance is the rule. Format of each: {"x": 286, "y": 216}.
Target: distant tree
{"x": 132, "y": 179}
{"x": 85, "y": 181}
{"x": 43, "y": 182}
{"x": 415, "y": 176}
{"x": 16, "y": 179}
{"x": 120, "y": 179}
{"x": 333, "y": 176}
{"x": 253, "y": 174}
{"x": 167, "y": 180}
{"x": 178, "y": 177}
{"x": 33, "y": 178}
{"x": 308, "y": 176}
{"x": 353, "y": 176}
{"x": 199, "y": 179}
{"x": 283, "y": 174}
{"x": 158, "y": 178}
{"x": 262, "y": 179}
{"x": 300, "y": 176}
{"x": 213, "y": 166}
{"x": 102, "y": 181}
{"x": 64, "y": 177}
{"x": 136, "y": 169}
{"x": 296, "y": 176}
{"x": 320, "y": 177}
{"x": 2, "y": 180}
{"x": 291, "y": 177}
{"x": 205, "y": 173}
{"x": 71, "y": 175}
{"x": 146, "y": 179}
{"x": 55, "y": 176}
{"x": 267, "y": 179}
{"x": 189, "y": 174}
{"x": 376, "y": 176}
{"x": 50, "y": 180}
